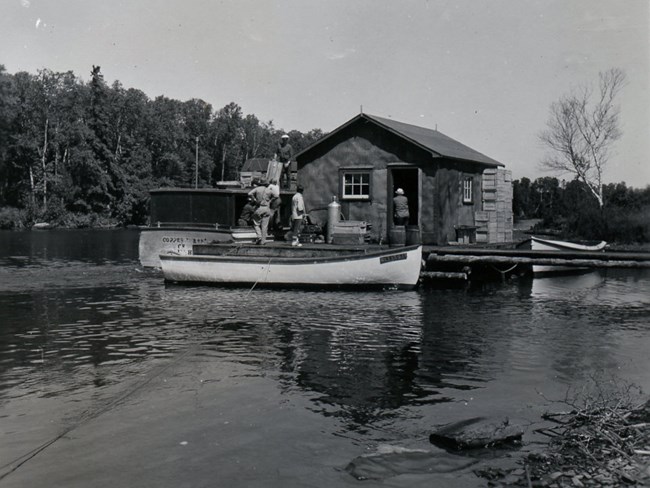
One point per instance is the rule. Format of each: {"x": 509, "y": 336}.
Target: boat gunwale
{"x": 225, "y": 229}
{"x": 574, "y": 246}
{"x": 291, "y": 260}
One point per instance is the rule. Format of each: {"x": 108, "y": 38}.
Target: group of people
{"x": 263, "y": 207}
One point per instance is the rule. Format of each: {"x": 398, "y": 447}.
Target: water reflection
{"x": 72, "y": 326}
{"x": 573, "y": 287}
{"x": 581, "y": 320}
{"x": 356, "y": 354}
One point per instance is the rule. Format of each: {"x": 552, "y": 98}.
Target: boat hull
{"x": 155, "y": 241}
{"x": 538, "y": 244}
{"x": 393, "y": 267}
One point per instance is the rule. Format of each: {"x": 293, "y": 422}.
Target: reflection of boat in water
{"x": 565, "y": 286}
{"x": 283, "y": 265}
{"x": 538, "y": 244}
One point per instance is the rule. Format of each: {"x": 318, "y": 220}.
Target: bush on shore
{"x": 612, "y": 224}
{"x": 12, "y": 218}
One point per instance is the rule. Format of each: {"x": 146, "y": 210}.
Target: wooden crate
{"x": 274, "y": 171}
{"x": 490, "y": 195}
{"x": 489, "y": 206}
{"x": 481, "y": 216}
{"x": 348, "y": 238}
{"x": 356, "y": 227}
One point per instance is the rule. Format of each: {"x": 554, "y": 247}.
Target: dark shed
{"x": 364, "y": 161}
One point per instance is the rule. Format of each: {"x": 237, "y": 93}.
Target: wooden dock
{"x": 458, "y": 263}
{"x": 467, "y": 256}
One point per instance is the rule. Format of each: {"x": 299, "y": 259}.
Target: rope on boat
{"x": 268, "y": 268}
{"x": 503, "y": 273}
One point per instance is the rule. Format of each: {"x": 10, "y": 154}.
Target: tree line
{"x": 570, "y": 210}
{"x": 80, "y": 153}
{"x": 579, "y": 135}
{"x": 83, "y": 153}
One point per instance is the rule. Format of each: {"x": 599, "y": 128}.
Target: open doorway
{"x": 408, "y": 179}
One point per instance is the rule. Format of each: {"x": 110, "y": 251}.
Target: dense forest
{"x": 80, "y": 153}
{"x": 570, "y": 210}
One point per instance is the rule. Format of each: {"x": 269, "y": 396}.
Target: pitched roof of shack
{"x": 256, "y": 164}
{"x": 432, "y": 141}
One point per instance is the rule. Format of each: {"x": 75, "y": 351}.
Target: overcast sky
{"x": 483, "y": 72}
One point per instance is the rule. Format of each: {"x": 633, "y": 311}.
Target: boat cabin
{"x": 215, "y": 207}
{"x": 455, "y": 193}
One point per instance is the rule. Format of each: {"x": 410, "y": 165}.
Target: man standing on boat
{"x": 261, "y": 197}
{"x": 297, "y": 216}
{"x": 284, "y": 154}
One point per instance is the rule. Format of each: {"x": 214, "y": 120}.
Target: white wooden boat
{"x": 539, "y": 244}
{"x": 282, "y": 265}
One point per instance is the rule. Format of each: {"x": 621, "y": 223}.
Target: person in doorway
{"x": 400, "y": 208}
{"x": 297, "y": 216}
{"x": 284, "y": 154}
{"x": 246, "y": 215}
{"x": 261, "y": 197}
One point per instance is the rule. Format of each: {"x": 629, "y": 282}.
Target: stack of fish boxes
{"x": 494, "y": 221}
{"x": 349, "y": 232}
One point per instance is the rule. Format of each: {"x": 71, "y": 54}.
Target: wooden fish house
{"x": 455, "y": 194}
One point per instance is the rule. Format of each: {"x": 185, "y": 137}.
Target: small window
{"x": 468, "y": 190}
{"x": 355, "y": 185}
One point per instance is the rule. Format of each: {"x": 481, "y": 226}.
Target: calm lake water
{"x": 110, "y": 377}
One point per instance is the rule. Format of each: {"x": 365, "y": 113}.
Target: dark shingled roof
{"x": 256, "y": 164}
{"x": 430, "y": 140}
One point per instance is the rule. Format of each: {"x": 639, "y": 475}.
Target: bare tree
{"x": 581, "y": 129}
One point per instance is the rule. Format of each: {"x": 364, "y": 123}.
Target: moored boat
{"x": 179, "y": 239}
{"x": 183, "y": 217}
{"x": 539, "y": 244}
{"x": 283, "y": 265}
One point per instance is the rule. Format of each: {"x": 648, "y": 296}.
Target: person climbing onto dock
{"x": 261, "y": 196}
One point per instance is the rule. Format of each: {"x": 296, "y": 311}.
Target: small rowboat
{"x": 283, "y": 265}
{"x": 538, "y": 244}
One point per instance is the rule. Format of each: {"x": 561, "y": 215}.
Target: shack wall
{"x": 445, "y": 214}
{"x": 454, "y": 215}
{"x": 364, "y": 147}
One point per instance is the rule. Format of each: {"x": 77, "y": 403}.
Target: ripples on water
{"x": 72, "y": 327}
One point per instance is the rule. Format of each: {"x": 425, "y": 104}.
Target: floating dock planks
{"x": 469, "y": 256}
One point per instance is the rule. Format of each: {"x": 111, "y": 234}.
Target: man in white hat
{"x": 284, "y": 154}
{"x": 400, "y": 208}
